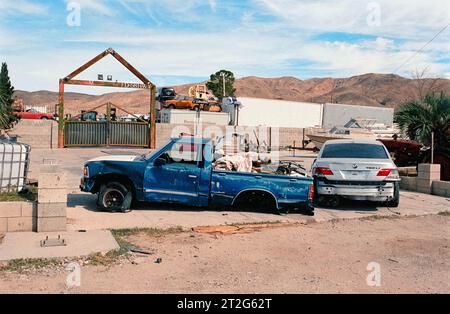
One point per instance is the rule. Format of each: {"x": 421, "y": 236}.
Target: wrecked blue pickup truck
{"x": 182, "y": 172}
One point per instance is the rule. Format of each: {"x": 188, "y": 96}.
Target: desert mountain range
{"x": 380, "y": 90}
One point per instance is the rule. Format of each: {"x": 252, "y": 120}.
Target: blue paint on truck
{"x": 182, "y": 172}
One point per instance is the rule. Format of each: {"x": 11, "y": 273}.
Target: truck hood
{"x": 115, "y": 158}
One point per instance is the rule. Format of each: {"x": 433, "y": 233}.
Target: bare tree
{"x": 425, "y": 83}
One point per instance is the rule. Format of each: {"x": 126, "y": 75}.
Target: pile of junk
{"x": 237, "y": 153}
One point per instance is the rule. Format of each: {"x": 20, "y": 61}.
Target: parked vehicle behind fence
{"x": 357, "y": 170}
{"x": 185, "y": 102}
{"x": 33, "y": 114}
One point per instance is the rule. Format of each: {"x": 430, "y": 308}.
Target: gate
{"x": 106, "y": 133}
{"x": 111, "y": 133}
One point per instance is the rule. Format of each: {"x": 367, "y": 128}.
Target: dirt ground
{"x": 413, "y": 254}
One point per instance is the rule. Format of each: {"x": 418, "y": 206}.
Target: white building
{"x": 276, "y": 113}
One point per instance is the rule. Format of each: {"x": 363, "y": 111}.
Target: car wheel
{"x": 395, "y": 201}
{"x": 328, "y": 201}
{"x": 114, "y": 197}
{"x": 44, "y": 118}
{"x": 171, "y": 107}
{"x": 196, "y": 108}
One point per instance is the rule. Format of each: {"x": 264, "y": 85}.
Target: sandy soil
{"x": 413, "y": 253}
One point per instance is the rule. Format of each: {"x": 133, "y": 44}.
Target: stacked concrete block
{"x": 408, "y": 183}
{"x": 427, "y": 173}
{"x": 441, "y": 188}
{"x": 52, "y": 199}
{"x": 17, "y": 216}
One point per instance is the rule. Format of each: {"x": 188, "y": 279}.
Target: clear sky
{"x": 184, "y": 41}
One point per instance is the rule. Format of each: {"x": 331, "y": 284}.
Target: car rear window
{"x": 353, "y": 150}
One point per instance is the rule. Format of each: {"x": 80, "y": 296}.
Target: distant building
{"x": 340, "y": 114}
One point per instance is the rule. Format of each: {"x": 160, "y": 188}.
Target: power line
{"x": 415, "y": 54}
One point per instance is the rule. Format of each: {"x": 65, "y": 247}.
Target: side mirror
{"x": 159, "y": 162}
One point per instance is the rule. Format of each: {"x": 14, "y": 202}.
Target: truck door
{"x": 175, "y": 175}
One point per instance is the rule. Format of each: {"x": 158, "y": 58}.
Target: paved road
{"x": 82, "y": 213}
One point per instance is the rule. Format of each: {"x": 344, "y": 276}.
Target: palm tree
{"x": 419, "y": 119}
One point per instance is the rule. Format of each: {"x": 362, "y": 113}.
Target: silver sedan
{"x": 357, "y": 170}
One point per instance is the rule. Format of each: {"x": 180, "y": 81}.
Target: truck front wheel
{"x": 113, "y": 197}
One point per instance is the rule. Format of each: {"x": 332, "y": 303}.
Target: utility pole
{"x": 432, "y": 147}
{"x": 223, "y": 82}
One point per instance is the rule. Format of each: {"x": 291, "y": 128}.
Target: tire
{"x": 171, "y": 107}
{"x": 395, "y": 201}
{"x": 256, "y": 200}
{"x": 328, "y": 201}
{"x": 114, "y": 197}
{"x": 44, "y": 118}
{"x": 196, "y": 108}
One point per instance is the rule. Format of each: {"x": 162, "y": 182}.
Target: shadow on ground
{"x": 355, "y": 206}
{"x": 89, "y": 202}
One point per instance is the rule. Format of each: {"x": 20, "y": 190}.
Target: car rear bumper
{"x": 382, "y": 190}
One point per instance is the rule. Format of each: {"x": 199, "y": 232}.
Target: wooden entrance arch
{"x": 146, "y": 84}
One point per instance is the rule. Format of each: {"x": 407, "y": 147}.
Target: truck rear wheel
{"x": 255, "y": 200}
{"x": 114, "y": 197}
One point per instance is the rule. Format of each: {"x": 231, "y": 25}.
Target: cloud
{"x": 95, "y": 6}
{"x": 21, "y": 7}
{"x": 401, "y": 18}
{"x": 194, "y": 38}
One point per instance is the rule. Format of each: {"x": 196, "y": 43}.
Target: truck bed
{"x": 289, "y": 191}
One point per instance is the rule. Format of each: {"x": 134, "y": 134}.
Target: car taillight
{"x": 323, "y": 171}
{"x": 311, "y": 192}
{"x": 384, "y": 172}
{"x": 86, "y": 172}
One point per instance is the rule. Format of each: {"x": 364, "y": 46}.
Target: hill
{"x": 381, "y": 90}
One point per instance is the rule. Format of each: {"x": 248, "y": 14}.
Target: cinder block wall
{"x": 427, "y": 181}
{"x": 441, "y": 188}
{"x": 37, "y": 133}
{"x": 279, "y": 136}
{"x": 17, "y": 216}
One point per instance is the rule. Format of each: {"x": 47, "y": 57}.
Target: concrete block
{"x": 29, "y": 209}
{"x": 408, "y": 183}
{"x": 424, "y": 185}
{"x": 434, "y": 176}
{"x": 49, "y": 169}
{"x": 20, "y": 224}
{"x": 429, "y": 168}
{"x": 52, "y": 210}
{"x": 52, "y": 180}
{"x": 440, "y": 192}
{"x": 3, "y": 225}
{"x": 51, "y": 224}
{"x": 441, "y": 188}
{"x": 52, "y": 195}
{"x": 10, "y": 209}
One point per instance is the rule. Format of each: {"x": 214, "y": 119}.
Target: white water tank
{"x": 14, "y": 161}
